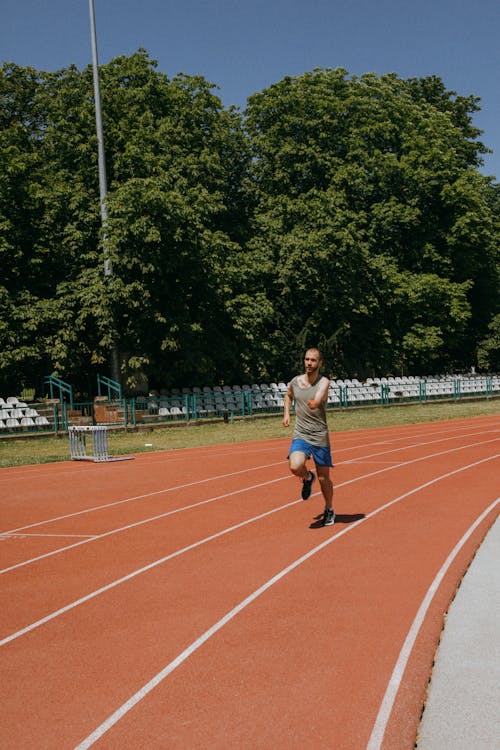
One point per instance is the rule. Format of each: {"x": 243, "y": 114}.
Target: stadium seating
{"x": 175, "y": 404}
{"x": 17, "y": 415}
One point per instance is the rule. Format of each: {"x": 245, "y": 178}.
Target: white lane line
{"x": 21, "y": 535}
{"x": 385, "y": 710}
{"x": 195, "y": 645}
{"x": 367, "y": 461}
{"x": 190, "y": 547}
{"x": 231, "y": 474}
{"x": 229, "y": 494}
{"x": 448, "y": 434}
{"x": 220, "y": 497}
{"x": 395, "y": 449}
{"x": 138, "y": 572}
{"x": 142, "y": 522}
{"x": 9, "y": 474}
{"x": 141, "y": 497}
{"x": 235, "y": 473}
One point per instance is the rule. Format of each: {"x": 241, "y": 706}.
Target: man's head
{"x": 313, "y": 359}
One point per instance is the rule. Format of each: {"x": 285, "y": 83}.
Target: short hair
{"x": 314, "y": 349}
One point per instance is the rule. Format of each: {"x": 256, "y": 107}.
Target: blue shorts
{"x": 321, "y": 454}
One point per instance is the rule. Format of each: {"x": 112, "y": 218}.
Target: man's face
{"x": 312, "y": 361}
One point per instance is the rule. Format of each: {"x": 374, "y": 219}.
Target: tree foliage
{"x": 380, "y": 229}
{"x": 338, "y": 210}
{"x": 174, "y": 163}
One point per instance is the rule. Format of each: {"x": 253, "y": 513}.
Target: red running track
{"x": 190, "y": 599}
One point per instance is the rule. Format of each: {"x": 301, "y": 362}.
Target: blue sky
{"x": 245, "y": 46}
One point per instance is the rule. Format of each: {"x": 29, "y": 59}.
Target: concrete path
{"x": 463, "y": 706}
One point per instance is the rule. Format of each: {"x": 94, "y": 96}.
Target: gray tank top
{"x": 310, "y": 424}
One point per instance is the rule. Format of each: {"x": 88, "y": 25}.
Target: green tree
{"x": 174, "y": 160}
{"x": 377, "y": 228}
{"x": 338, "y": 210}
{"x": 49, "y": 238}
{"x": 176, "y": 213}
{"x": 489, "y": 348}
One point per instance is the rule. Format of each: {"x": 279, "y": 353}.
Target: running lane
{"x": 315, "y": 618}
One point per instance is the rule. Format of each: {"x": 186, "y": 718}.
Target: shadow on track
{"x": 340, "y": 518}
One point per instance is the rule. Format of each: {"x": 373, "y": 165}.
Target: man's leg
{"x": 297, "y": 461}
{"x": 326, "y": 485}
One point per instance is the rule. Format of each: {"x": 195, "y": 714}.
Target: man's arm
{"x": 321, "y": 394}
{"x": 287, "y": 404}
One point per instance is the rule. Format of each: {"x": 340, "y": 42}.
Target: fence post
{"x": 55, "y": 414}
{"x": 457, "y": 388}
{"x": 64, "y": 415}
{"x": 131, "y": 415}
{"x": 343, "y": 395}
{"x": 384, "y": 393}
{"x": 422, "y": 390}
{"x": 249, "y": 399}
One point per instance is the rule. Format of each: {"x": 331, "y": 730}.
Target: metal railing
{"x": 229, "y": 404}
{"x": 56, "y": 385}
{"x": 113, "y": 387}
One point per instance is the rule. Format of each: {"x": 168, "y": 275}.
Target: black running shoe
{"x": 307, "y": 485}
{"x": 328, "y": 517}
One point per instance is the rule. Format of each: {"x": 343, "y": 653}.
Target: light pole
{"x": 108, "y": 270}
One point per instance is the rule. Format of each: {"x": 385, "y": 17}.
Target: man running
{"x": 311, "y": 437}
